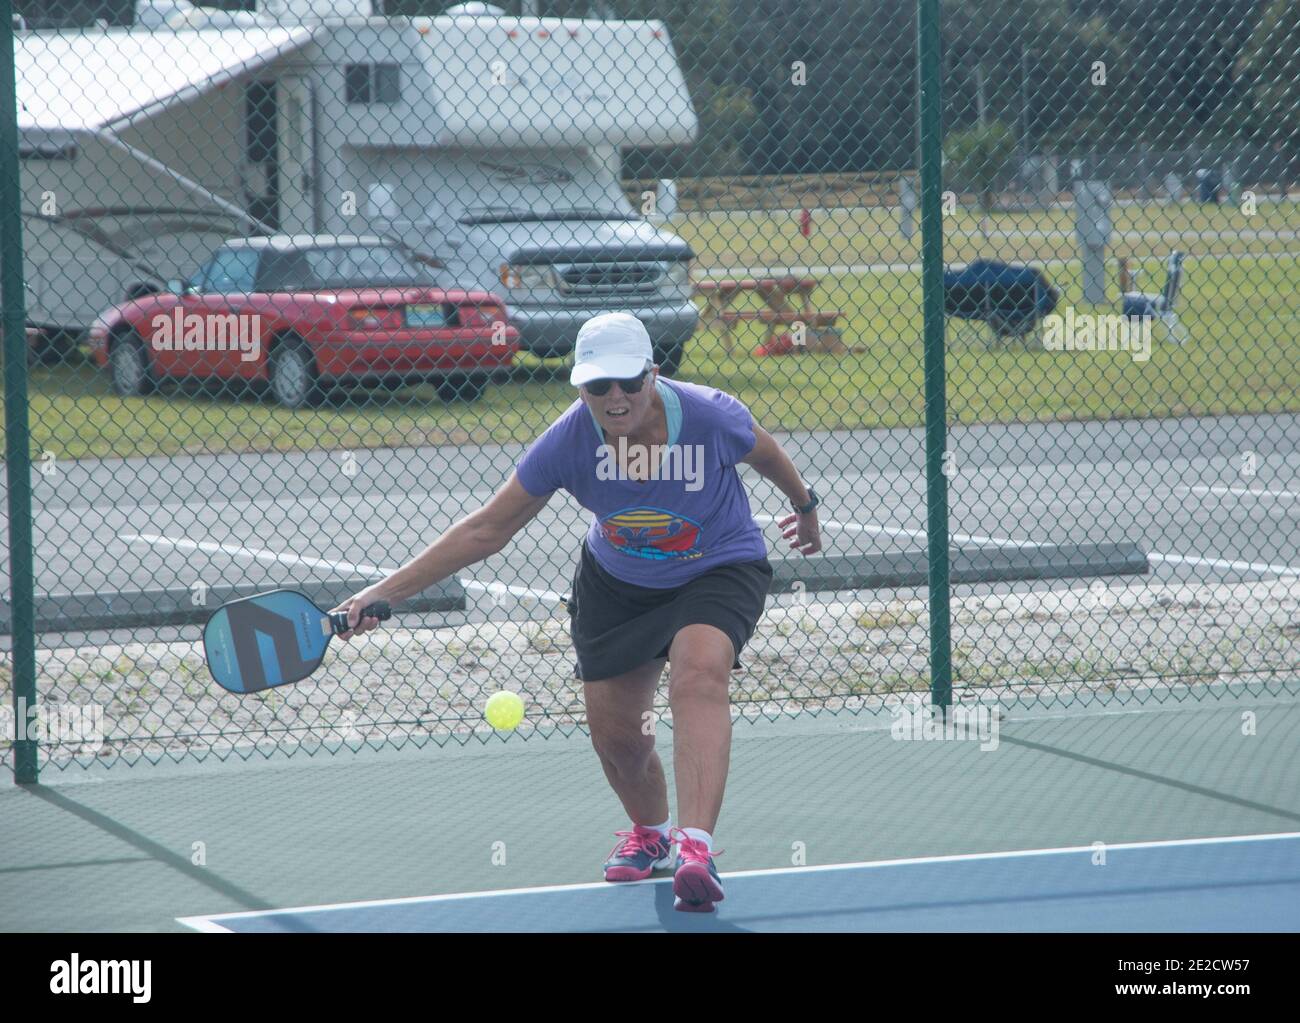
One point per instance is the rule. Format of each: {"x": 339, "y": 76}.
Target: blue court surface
{"x": 1238, "y": 883}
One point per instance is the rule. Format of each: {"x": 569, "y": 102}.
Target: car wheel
{"x": 669, "y": 358}
{"x": 128, "y": 367}
{"x": 459, "y": 387}
{"x": 293, "y": 375}
{"x": 42, "y": 350}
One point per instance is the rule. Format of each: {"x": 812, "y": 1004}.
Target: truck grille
{"x": 609, "y": 278}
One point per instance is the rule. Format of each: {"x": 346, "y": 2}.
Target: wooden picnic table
{"x": 787, "y": 299}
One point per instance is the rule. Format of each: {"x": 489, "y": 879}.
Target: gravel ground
{"x": 422, "y": 685}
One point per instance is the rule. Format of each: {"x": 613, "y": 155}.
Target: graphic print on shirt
{"x": 652, "y": 533}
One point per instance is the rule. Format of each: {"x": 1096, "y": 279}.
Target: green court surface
{"x": 136, "y": 848}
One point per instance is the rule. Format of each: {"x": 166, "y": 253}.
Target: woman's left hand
{"x": 807, "y": 535}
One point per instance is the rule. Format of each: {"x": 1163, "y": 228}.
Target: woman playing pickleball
{"x": 673, "y": 569}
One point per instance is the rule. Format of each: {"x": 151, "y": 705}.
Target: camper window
{"x": 373, "y": 83}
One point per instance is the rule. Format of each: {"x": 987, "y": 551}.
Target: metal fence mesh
{"x": 302, "y": 284}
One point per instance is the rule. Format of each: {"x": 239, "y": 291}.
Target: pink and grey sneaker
{"x": 695, "y": 879}
{"x": 639, "y": 853}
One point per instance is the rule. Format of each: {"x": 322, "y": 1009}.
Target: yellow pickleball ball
{"x": 504, "y": 710}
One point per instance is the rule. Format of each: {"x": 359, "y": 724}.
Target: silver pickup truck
{"x": 557, "y": 268}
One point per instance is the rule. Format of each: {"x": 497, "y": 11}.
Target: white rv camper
{"x": 100, "y": 115}
{"x": 490, "y": 142}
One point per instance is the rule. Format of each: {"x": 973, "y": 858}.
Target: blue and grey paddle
{"x": 272, "y": 639}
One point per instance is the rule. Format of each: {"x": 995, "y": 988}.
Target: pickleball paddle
{"x": 272, "y": 639}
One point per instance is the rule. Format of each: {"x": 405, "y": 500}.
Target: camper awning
{"x": 70, "y": 83}
{"x": 527, "y": 82}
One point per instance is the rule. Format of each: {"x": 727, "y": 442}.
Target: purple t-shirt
{"x": 657, "y": 532}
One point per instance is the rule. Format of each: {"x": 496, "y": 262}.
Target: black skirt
{"x": 618, "y": 626}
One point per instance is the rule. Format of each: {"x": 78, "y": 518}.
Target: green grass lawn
{"x": 1242, "y": 313}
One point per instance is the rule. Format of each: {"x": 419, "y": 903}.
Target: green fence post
{"x": 936, "y": 442}
{"x": 18, "y": 458}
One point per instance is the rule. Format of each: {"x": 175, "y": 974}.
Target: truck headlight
{"x": 528, "y": 277}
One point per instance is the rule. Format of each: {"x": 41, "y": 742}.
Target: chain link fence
{"x": 300, "y": 285}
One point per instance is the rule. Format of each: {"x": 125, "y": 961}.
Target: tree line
{"x": 815, "y": 86}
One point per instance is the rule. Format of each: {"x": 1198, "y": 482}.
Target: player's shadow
{"x": 689, "y": 923}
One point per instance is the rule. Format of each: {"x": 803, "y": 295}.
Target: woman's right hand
{"x": 353, "y": 606}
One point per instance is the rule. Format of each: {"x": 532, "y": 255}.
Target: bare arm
{"x": 770, "y": 461}
{"x": 478, "y": 535}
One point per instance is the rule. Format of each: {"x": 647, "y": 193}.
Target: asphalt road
{"x": 185, "y": 530}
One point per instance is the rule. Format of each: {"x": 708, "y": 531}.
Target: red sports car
{"x": 302, "y": 312}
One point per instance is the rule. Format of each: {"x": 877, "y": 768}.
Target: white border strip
{"x": 209, "y": 924}
{"x": 284, "y": 558}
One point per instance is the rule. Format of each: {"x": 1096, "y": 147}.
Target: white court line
{"x": 203, "y": 925}
{"x": 270, "y": 557}
{"x": 209, "y": 923}
{"x": 281, "y": 558}
{"x": 1239, "y": 491}
{"x": 994, "y": 541}
{"x": 293, "y": 502}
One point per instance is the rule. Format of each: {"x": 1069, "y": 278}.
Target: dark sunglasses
{"x": 601, "y": 387}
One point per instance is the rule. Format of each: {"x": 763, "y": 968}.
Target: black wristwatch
{"x": 806, "y": 508}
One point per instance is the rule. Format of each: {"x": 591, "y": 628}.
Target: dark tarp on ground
{"x": 1011, "y": 298}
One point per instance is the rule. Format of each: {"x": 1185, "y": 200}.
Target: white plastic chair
{"x": 1142, "y": 305}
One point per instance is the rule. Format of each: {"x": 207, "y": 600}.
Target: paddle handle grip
{"x": 379, "y": 609}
